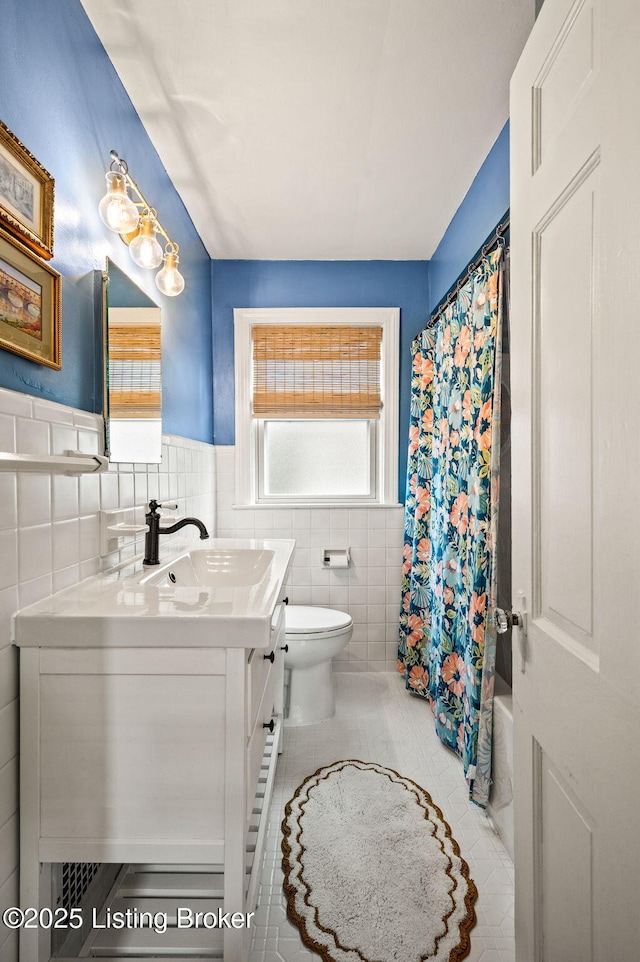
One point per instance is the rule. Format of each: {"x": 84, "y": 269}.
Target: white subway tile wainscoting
{"x": 369, "y": 590}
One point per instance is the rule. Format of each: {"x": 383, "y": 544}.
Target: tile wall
{"x": 369, "y": 590}
{"x": 50, "y": 539}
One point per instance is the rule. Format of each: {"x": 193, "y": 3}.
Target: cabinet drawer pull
{"x": 284, "y": 648}
{"x": 270, "y": 657}
{"x": 270, "y": 725}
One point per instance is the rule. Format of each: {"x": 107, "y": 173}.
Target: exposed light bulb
{"x": 169, "y": 280}
{"x": 137, "y": 223}
{"x": 145, "y": 249}
{"x": 116, "y": 208}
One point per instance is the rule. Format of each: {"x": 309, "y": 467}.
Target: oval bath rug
{"x": 372, "y": 873}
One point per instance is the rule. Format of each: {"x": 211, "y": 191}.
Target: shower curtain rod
{"x": 494, "y": 237}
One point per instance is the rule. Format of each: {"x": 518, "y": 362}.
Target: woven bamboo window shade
{"x": 135, "y": 386}
{"x": 316, "y": 372}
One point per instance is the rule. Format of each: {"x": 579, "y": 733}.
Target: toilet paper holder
{"x": 336, "y": 557}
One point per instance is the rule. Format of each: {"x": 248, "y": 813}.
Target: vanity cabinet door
{"x": 129, "y": 749}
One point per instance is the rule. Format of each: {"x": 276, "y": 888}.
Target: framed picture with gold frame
{"x": 29, "y": 304}
{"x": 26, "y": 195}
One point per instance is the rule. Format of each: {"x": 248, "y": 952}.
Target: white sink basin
{"x": 221, "y": 596}
{"x": 217, "y": 567}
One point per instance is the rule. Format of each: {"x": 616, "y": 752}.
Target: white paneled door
{"x": 575, "y": 233}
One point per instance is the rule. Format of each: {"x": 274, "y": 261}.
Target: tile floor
{"x": 377, "y": 720}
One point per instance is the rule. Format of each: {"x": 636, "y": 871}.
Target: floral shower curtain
{"x": 447, "y": 633}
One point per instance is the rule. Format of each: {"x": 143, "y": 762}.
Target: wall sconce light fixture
{"x": 137, "y": 223}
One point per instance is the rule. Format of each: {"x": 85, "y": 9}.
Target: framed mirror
{"x": 132, "y": 370}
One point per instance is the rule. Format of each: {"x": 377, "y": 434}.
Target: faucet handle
{"x": 154, "y": 505}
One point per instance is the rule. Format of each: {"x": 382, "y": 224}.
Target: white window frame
{"x": 247, "y": 427}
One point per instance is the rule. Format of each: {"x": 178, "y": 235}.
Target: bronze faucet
{"x": 152, "y": 537}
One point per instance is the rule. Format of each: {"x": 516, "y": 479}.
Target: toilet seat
{"x": 308, "y": 620}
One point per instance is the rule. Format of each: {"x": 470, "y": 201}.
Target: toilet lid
{"x": 304, "y": 620}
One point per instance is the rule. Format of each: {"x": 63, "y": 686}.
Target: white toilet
{"x": 314, "y": 636}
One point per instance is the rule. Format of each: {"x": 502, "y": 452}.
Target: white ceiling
{"x": 317, "y": 129}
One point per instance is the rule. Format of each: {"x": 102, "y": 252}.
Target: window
{"x": 316, "y": 406}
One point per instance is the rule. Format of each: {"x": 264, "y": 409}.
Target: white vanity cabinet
{"x": 153, "y": 755}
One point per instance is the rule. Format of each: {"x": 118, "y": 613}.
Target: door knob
{"x": 502, "y": 621}
{"x": 515, "y": 619}
{"x": 506, "y": 620}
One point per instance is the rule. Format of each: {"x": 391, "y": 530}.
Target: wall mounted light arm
{"x": 137, "y": 223}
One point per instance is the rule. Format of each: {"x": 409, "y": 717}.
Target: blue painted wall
{"x": 483, "y": 207}
{"x": 403, "y": 284}
{"x": 61, "y": 96}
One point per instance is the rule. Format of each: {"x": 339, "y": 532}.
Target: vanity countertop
{"x": 121, "y": 608}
